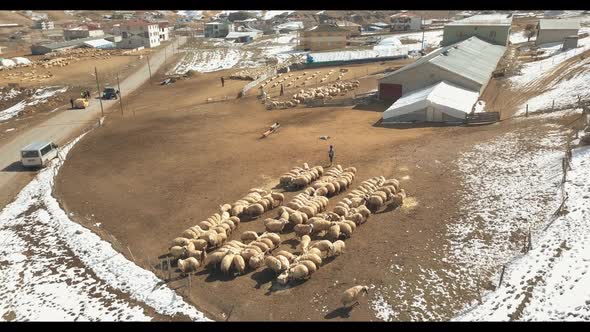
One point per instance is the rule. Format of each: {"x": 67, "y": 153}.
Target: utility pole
{"x": 149, "y": 68}
{"x": 98, "y": 88}
{"x": 120, "y": 94}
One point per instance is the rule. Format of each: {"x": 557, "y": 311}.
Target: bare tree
{"x": 530, "y": 31}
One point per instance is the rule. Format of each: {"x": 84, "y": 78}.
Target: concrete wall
{"x": 420, "y": 116}
{"x": 554, "y": 36}
{"x": 494, "y": 34}
{"x": 426, "y": 75}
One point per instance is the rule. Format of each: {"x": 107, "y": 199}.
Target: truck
{"x": 110, "y": 93}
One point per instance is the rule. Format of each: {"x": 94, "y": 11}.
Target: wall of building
{"x": 406, "y": 23}
{"x": 554, "y": 36}
{"x": 495, "y": 34}
{"x": 322, "y": 41}
{"x": 420, "y": 116}
{"x": 137, "y": 36}
{"x": 426, "y": 75}
{"x": 217, "y": 30}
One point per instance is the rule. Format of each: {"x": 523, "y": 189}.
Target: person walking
{"x": 72, "y": 102}
{"x": 282, "y": 89}
{"x": 222, "y": 82}
{"x": 331, "y": 154}
{"x": 87, "y": 94}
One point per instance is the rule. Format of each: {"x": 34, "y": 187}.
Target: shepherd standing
{"x": 222, "y": 82}
{"x": 72, "y": 102}
{"x": 331, "y": 154}
{"x": 282, "y": 89}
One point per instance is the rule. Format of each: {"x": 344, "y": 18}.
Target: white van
{"x": 38, "y": 154}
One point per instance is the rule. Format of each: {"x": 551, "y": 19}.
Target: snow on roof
{"x": 490, "y": 19}
{"x": 472, "y": 58}
{"x": 384, "y": 52}
{"x": 238, "y": 34}
{"x": 326, "y": 28}
{"x": 448, "y": 98}
{"x": 559, "y": 24}
{"x": 99, "y": 43}
{"x": 380, "y": 24}
{"x": 294, "y": 25}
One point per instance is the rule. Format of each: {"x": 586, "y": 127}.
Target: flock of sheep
{"x": 319, "y": 93}
{"x": 305, "y": 215}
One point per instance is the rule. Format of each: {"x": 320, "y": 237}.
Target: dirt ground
{"x": 148, "y": 177}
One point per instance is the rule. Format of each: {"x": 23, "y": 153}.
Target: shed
{"x": 570, "y": 42}
{"x": 556, "y": 30}
{"x": 441, "y": 102}
{"x": 99, "y": 43}
{"x": 468, "y": 64}
{"x": 39, "y": 49}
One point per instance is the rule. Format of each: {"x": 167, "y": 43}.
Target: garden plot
{"x": 55, "y": 269}
{"x": 40, "y": 96}
{"x": 551, "y": 281}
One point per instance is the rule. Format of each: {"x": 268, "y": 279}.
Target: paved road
{"x": 62, "y": 127}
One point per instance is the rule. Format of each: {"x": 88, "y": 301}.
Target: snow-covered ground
{"x": 519, "y": 37}
{"x": 431, "y": 39}
{"x": 39, "y": 97}
{"x": 552, "y": 281}
{"x": 551, "y": 59}
{"x": 54, "y": 269}
{"x": 208, "y": 60}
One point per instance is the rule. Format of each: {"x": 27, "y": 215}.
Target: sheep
{"x": 177, "y": 251}
{"x": 274, "y": 264}
{"x": 263, "y": 246}
{"x": 299, "y": 272}
{"x": 275, "y": 238}
{"x": 286, "y": 254}
{"x": 302, "y": 229}
{"x": 352, "y": 295}
{"x": 190, "y": 264}
{"x": 323, "y": 245}
{"x": 304, "y": 243}
{"x": 226, "y": 262}
{"x": 337, "y": 248}
{"x": 334, "y": 231}
{"x": 346, "y": 229}
{"x": 180, "y": 241}
{"x": 314, "y": 257}
{"x": 249, "y": 236}
{"x": 276, "y": 225}
{"x": 311, "y": 267}
{"x": 256, "y": 261}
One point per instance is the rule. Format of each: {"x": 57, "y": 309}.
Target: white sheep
{"x": 190, "y": 264}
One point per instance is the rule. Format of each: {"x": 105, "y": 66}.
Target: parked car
{"x": 38, "y": 154}
{"x": 110, "y": 93}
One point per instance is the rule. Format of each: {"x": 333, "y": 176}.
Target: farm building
{"x": 356, "y": 56}
{"x": 493, "y": 28}
{"x": 405, "y": 22}
{"x": 99, "y": 43}
{"x": 441, "y": 102}
{"x": 468, "y": 64}
{"x": 323, "y": 37}
{"x": 353, "y": 28}
{"x": 82, "y": 32}
{"x": 218, "y": 29}
{"x": 39, "y": 49}
{"x": 556, "y": 30}
{"x": 164, "y": 31}
{"x": 570, "y": 42}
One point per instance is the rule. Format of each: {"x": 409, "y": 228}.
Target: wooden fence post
{"x": 502, "y": 275}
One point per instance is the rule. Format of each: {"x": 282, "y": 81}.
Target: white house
{"x": 164, "y": 31}
{"x": 139, "y": 33}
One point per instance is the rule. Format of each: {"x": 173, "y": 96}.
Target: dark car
{"x": 110, "y": 93}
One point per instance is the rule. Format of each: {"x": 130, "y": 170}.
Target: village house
{"x": 493, "y": 28}
{"x": 405, "y": 22}
{"x": 218, "y": 29}
{"x": 139, "y": 33}
{"x": 322, "y": 37}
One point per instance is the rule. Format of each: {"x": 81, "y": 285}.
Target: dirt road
{"x": 62, "y": 128}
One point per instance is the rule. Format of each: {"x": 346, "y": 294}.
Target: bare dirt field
{"x": 147, "y": 178}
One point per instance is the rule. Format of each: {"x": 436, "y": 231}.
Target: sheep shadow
{"x": 342, "y": 312}
{"x": 263, "y": 277}
{"x": 390, "y": 207}
{"x": 215, "y": 275}
{"x": 293, "y": 243}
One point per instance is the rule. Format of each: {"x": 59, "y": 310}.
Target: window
{"x": 492, "y": 34}
{"x": 30, "y": 154}
{"x": 46, "y": 150}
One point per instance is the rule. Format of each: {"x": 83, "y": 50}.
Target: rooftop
{"x": 490, "y": 19}
{"x": 559, "y": 24}
{"x": 35, "y": 146}
{"x": 327, "y": 28}
{"x": 472, "y": 58}
{"x": 136, "y": 23}
{"x": 70, "y": 43}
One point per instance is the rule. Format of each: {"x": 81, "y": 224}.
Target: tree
{"x": 529, "y": 31}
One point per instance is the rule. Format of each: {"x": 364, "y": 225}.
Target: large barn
{"x": 468, "y": 64}
{"x": 441, "y": 102}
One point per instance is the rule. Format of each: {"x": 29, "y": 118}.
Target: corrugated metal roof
{"x": 472, "y": 58}
{"x": 559, "y": 24}
{"x": 490, "y": 19}
{"x": 70, "y": 43}
{"x": 35, "y": 146}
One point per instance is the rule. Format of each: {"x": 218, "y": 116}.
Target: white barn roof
{"x": 99, "y": 43}
{"x": 472, "y": 58}
{"x": 444, "y": 96}
{"x": 559, "y": 24}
